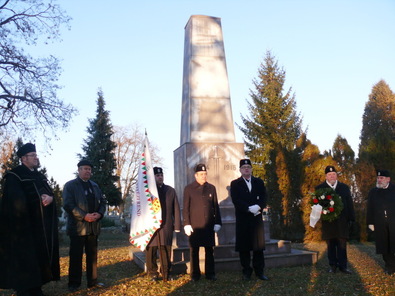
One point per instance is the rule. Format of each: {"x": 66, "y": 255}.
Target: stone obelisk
{"x": 207, "y": 127}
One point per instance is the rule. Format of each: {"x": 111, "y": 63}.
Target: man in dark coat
{"x": 85, "y": 206}
{"x": 202, "y": 219}
{"x": 29, "y": 249}
{"x": 380, "y": 218}
{"x": 336, "y": 232}
{"x": 171, "y": 221}
{"x": 249, "y": 198}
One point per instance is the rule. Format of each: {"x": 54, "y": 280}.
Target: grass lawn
{"x": 123, "y": 277}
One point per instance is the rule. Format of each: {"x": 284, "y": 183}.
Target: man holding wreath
{"x": 336, "y": 232}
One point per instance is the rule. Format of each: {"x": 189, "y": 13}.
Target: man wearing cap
{"x": 163, "y": 238}
{"x": 85, "y": 205}
{"x": 29, "y": 249}
{"x": 202, "y": 218}
{"x": 248, "y": 195}
{"x": 380, "y": 218}
{"x": 336, "y": 232}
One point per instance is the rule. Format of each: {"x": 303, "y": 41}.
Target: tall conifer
{"x": 99, "y": 149}
{"x": 271, "y": 131}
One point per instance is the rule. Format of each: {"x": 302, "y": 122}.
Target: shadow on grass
{"x": 298, "y": 280}
{"x": 123, "y": 277}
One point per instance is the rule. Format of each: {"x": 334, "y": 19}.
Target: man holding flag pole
{"x": 146, "y": 213}
{"x": 163, "y": 238}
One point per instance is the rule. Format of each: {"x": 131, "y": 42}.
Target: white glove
{"x": 254, "y": 209}
{"x": 217, "y": 227}
{"x": 188, "y": 230}
{"x": 371, "y": 227}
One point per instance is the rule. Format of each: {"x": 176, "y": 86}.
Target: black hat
{"x": 158, "y": 170}
{"x": 383, "y": 173}
{"x": 245, "y": 161}
{"x": 85, "y": 162}
{"x": 330, "y": 169}
{"x": 201, "y": 168}
{"x": 28, "y": 147}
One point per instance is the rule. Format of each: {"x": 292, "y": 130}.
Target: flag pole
{"x": 161, "y": 259}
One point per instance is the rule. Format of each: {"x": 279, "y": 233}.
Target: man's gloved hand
{"x": 254, "y": 209}
{"x": 188, "y": 230}
{"x": 217, "y": 227}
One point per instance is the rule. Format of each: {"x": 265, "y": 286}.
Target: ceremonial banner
{"x": 146, "y": 213}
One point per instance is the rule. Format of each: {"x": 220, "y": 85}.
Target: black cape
{"x": 381, "y": 202}
{"x": 29, "y": 247}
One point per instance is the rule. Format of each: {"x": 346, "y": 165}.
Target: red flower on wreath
{"x": 331, "y": 210}
{"x": 315, "y": 200}
{"x": 329, "y": 197}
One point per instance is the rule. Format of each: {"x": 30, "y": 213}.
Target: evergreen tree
{"x": 11, "y": 161}
{"x": 377, "y": 146}
{"x": 99, "y": 149}
{"x": 271, "y": 132}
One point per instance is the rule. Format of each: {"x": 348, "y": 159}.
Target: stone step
{"x": 181, "y": 263}
{"x": 228, "y": 251}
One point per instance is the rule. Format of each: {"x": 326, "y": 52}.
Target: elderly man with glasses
{"x": 29, "y": 249}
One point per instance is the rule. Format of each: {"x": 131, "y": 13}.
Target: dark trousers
{"x": 258, "y": 262}
{"x": 209, "y": 268}
{"x": 389, "y": 260}
{"x": 30, "y": 292}
{"x": 337, "y": 252}
{"x": 77, "y": 245}
{"x": 151, "y": 257}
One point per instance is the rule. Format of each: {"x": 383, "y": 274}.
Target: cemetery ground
{"x": 123, "y": 277}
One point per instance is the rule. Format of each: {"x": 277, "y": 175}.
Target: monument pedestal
{"x": 278, "y": 253}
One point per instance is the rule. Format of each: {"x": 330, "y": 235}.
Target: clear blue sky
{"x": 332, "y": 51}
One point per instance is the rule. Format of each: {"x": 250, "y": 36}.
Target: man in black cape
{"x": 380, "y": 218}
{"x": 29, "y": 248}
{"x": 249, "y": 198}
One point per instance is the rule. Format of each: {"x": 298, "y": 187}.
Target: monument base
{"x": 278, "y": 253}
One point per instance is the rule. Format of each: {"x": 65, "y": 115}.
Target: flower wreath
{"x": 330, "y": 201}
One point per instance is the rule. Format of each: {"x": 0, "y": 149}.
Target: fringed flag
{"x": 146, "y": 211}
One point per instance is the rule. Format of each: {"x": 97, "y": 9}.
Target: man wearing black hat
{"x": 380, "y": 218}
{"x": 85, "y": 205}
{"x": 336, "y": 232}
{"x": 29, "y": 249}
{"x": 249, "y": 198}
{"x": 202, "y": 218}
{"x": 163, "y": 238}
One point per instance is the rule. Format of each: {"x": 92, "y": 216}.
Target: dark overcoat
{"x": 339, "y": 228}
{"x": 29, "y": 247}
{"x": 249, "y": 228}
{"x": 201, "y": 211}
{"x": 171, "y": 217}
{"x": 381, "y": 202}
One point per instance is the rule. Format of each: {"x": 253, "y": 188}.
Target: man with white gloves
{"x": 202, "y": 218}
{"x": 249, "y": 198}
{"x": 380, "y": 218}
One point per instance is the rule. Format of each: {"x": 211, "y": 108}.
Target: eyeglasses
{"x": 31, "y": 155}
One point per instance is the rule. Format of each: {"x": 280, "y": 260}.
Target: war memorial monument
{"x": 207, "y": 136}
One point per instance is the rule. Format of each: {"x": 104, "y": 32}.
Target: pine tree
{"x": 377, "y": 146}
{"x": 12, "y": 160}
{"x": 99, "y": 149}
{"x": 271, "y": 132}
